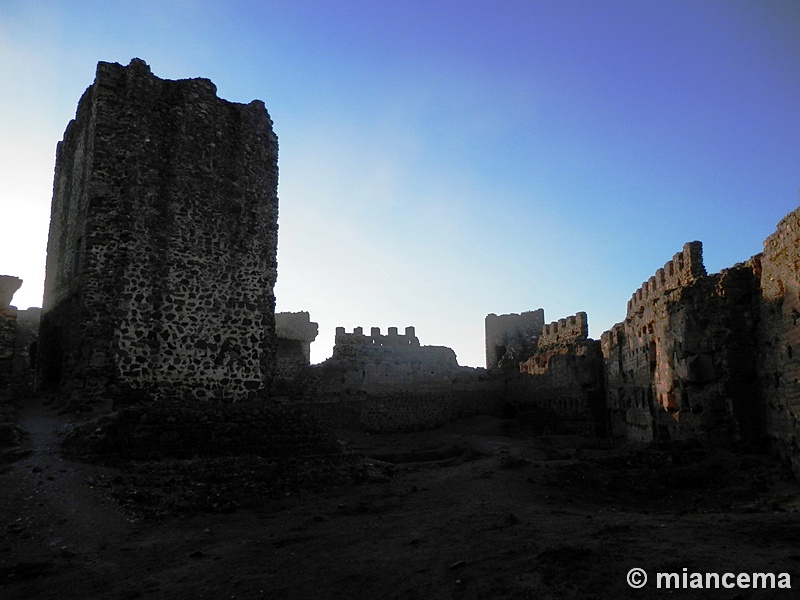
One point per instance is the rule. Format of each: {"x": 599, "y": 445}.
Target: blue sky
{"x": 442, "y": 160}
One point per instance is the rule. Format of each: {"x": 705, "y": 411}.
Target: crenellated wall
{"x": 684, "y": 268}
{"x": 392, "y": 338}
{"x": 682, "y": 364}
{"x": 562, "y": 382}
{"x": 570, "y": 330}
{"x": 385, "y": 364}
{"x": 392, "y": 383}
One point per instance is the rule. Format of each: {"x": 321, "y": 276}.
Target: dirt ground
{"x": 476, "y": 509}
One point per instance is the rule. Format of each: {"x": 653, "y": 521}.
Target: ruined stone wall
{"x": 638, "y": 352}
{"x": 392, "y": 383}
{"x": 378, "y": 364}
{"x": 25, "y": 350}
{"x": 162, "y": 249}
{"x": 8, "y": 340}
{"x": 512, "y": 338}
{"x": 562, "y": 382}
{"x": 570, "y": 330}
{"x": 779, "y": 336}
{"x": 294, "y": 332}
{"x": 357, "y": 338}
{"x": 682, "y": 364}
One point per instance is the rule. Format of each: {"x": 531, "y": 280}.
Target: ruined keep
{"x": 512, "y": 338}
{"x": 161, "y": 257}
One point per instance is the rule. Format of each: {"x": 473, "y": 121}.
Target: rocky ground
{"x": 476, "y": 509}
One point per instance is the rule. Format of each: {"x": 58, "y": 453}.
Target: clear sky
{"x": 442, "y": 160}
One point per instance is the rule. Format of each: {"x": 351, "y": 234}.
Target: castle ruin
{"x": 159, "y": 293}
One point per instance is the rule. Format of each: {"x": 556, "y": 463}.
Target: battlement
{"x": 393, "y": 338}
{"x": 684, "y": 268}
{"x": 570, "y": 329}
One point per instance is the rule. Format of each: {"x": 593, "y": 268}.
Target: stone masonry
{"x": 682, "y": 364}
{"x": 512, "y": 338}
{"x": 393, "y": 383}
{"x": 295, "y": 332}
{"x": 778, "y": 364}
{"x": 162, "y": 250}
{"x": 159, "y": 286}
{"x": 8, "y": 340}
{"x": 562, "y": 384}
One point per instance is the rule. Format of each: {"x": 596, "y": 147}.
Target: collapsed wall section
{"x": 162, "y": 249}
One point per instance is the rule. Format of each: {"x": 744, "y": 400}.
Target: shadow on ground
{"x": 475, "y": 509}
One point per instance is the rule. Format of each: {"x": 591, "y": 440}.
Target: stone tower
{"x": 161, "y": 259}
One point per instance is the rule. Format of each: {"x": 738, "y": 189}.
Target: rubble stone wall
{"x": 294, "y": 332}
{"x": 682, "y": 364}
{"x": 25, "y": 350}
{"x": 512, "y": 338}
{"x": 8, "y": 409}
{"x": 392, "y": 338}
{"x": 563, "y": 380}
{"x": 8, "y": 341}
{"x": 162, "y": 249}
{"x": 569, "y": 330}
{"x": 391, "y": 383}
{"x": 779, "y": 336}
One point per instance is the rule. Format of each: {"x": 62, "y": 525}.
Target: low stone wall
{"x": 178, "y": 429}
